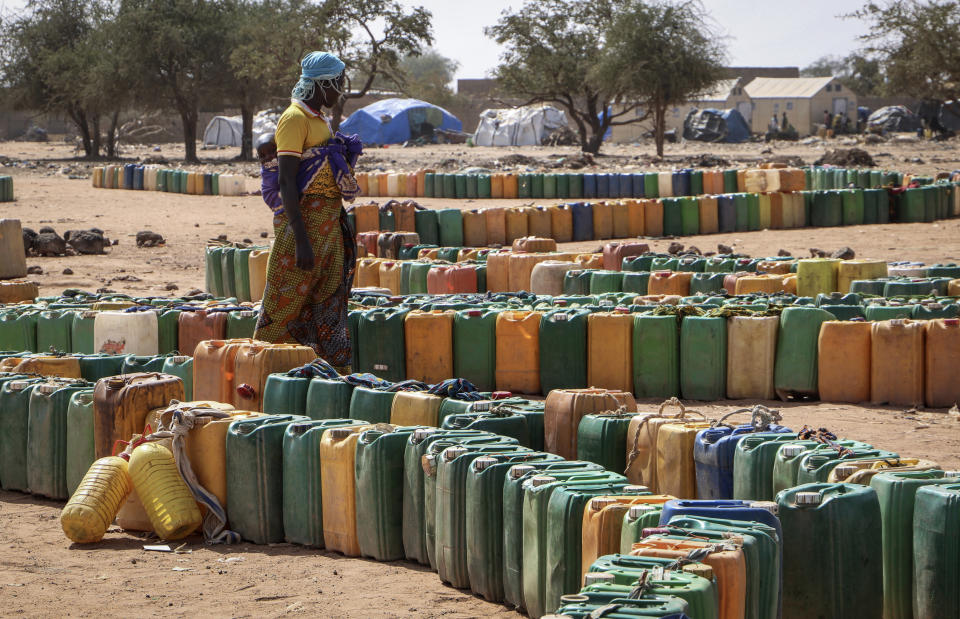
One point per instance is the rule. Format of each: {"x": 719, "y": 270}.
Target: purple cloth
{"x": 342, "y": 151}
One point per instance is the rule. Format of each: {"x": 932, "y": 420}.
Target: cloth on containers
{"x": 316, "y": 67}
{"x": 408, "y": 385}
{"x": 138, "y": 308}
{"x": 366, "y": 380}
{"x": 456, "y": 389}
{"x": 315, "y": 369}
{"x": 184, "y": 417}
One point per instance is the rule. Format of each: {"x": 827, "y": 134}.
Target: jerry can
{"x": 240, "y": 324}
{"x": 412, "y": 408}
{"x": 847, "y": 517}
{"x": 503, "y": 422}
{"x": 642, "y": 436}
{"x": 610, "y": 350}
{"x": 121, "y": 404}
{"x": 934, "y": 541}
{"x": 656, "y": 356}
{"x": 15, "y": 394}
{"x": 789, "y": 458}
{"x": 374, "y": 405}
{"x": 751, "y": 352}
{"x": 199, "y": 326}
{"x": 81, "y": 331}
{"x": 285, "y": 395}
{"x": 214, "y": 369}
{"x": 520, "y": 269}
{"x": 254, "y": 470}
{"x": 53, "y": 331}
{"x": 753, "y": 464}
{"x": 849, "y": 271}
{"x": 602, "y": 438}
{"x": 602, "y": 521}
{"x": 639, "y": 516}
{"x": 302, "y": 496}
{"x": 818, "y": 464}
{"x": 565, "y": 408}
{"x": 168, "y": 501}
{"x": 668, "y": 282}
{"x": 338, "y": 489}
{"x": 182, "y": 368}
{"x": 897, "y": 362}
{"x": 817, "y": 275}
{"x": 18, "y": 330}
{"x": 80, "y": 443}
{"x": 134, "y": 364}
{"x": 693, "y": 583}
{"x": 91, "y": 509}
{"x": 328, "y": 399}
{"x": 547, "y": 277}
{"x": 63, "y": 367}
{"x": 518, "y": 352}
{"x": 47, "y": 437}
{"x": 563, "y": 349}
{"x": 429, "y": 345}
{"x": 844, "y": 351}
{"x": 703, "y": 357}
{"x": 714, "y": 456}
{"x": 795, "y": 367}
{"x": 256, "y": 362}
{"x": 940, "y": 354}
{"x": 676, "y": 471}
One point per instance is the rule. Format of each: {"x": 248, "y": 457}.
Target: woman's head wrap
{"x": 317, "y": 68}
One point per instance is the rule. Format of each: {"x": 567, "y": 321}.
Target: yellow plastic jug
{"x": 338, "y": 449}
{"x": 896, "y": 362}
{"x": 603, "y": 520}
{"x": 257, "y": 263}
{"x": 843, "y": 361}
{"x": 751, "y": 351}
{"x": 942, "y": 357}
{"x": 64, "y": 367}
{"x": 171, "y": 508}
{"x": 642, "y": 435}
{"x": 415, "y": 408}
{"x": 851, "y": 270}
{"x": 676, "y": 473}
{"x": 498, "y": 271}
{"x": 94, "y": 505}
{"x": 816, "y": 275}
{"x": 518, "y": 352}
{"x": 428, "y": 339}
{"x": 610, "y": 350}
{"x": 389, "y": 276}
{"x": 368, "y": 273}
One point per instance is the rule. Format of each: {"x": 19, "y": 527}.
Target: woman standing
{"x": 312, "y": 261}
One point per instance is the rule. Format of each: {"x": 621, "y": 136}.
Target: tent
{"x": 522, "y": 126}
{"x": 228, "y": 130}
{"x": 394, "y": 121}
{"x": 713, "y": 125}
{"x": 893, "y": 118}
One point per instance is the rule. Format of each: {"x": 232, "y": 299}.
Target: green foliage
{"x": 859, "y": 73}
{"x": 918, "y": 45}
{"x": 428, "y": 76}
{"x": 632, "y": 57}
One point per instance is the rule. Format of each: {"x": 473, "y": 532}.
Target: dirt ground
{"x": 40, "y": 571}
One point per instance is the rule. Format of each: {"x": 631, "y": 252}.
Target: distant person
{"x": 826, "y": 118}
{"x": 312, "y": 261}
{"x": 784, "y": 124}
{"x": 774, "y": 126}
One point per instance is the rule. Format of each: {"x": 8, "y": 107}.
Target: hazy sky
{"x": 760, "y": 33}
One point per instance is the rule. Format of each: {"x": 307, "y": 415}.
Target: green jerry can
{"x": 576, "y": 282}
{"x": 600, "y": 602}
{"x": 503, "y": 422}
{"x": 168, "y": 331}
{"x": 848, "y": 582}
{"x": 328, "y": 399}
{"x": 703, "y": 357}
{"x": 302, "y": 503}
{"x": 656, "y": 356}
{"x": 896, "y": 491}
{"x": 563, "y": 349}
{"x": 133, "y": 364}
{"x": 602, "y": 438}
{"x": 285, "y": 395}
{"x": 816, "y": 465}
{"x": 513, "y": 493}
{"x": 241, "y": 274}
{"x": 635, "y": 520}
{"x": 636, "y": 282}
{"x": 241, "y": 324}
{"x": 379, "y": 491}
{"x": 18, "y": 330}
{"x": 427, "y": 227}
{"x": 80, "y": 447}
{"x": 602, "y": 282}
{"x": 474, "y": 347}
{"x": 227, "y": 268}
{"x": 95, "y": 367}
{"x": 182, "y": 367}
{"x": 936, "y": 551}
{"x": 47, "y": 437}
{"x": 788, "y": 457}
{"x": 450, "y": 224}
{"x": 453, "y": 465}
{"x": 15, "y": 394}
{"x": 698, "y": 592}
{"x": 381, "y": 343}
{"x": 53, "y": 331}
{"x": 484, "y": 519}
{"x": 852, "y": 203}
{"x": 81, "y": 332}
{"x": 706, "y": 283}
{"x": 214, "y": 271}
{"x": 753, "y": 465}
{"x": 371, "y": 404}
{"x": 254, "y": 464}
{"x": 795, "y": 369}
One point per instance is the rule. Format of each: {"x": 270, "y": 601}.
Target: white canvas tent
{"x": 523, "y": 126}
{"x": 228, "y": 130}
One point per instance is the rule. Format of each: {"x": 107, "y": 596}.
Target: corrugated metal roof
{"x": 786, "y": 87}
{"x": 721, "y": 91}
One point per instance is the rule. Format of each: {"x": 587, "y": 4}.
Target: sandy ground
{"x": 40, "y": 570}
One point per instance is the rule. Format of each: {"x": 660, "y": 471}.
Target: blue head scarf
{"x": 316, "y": 67}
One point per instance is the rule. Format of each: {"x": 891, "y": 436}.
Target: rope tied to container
{"x": 184, "y": 419}
{"x": 635, "y": 447}
{"x": 641, "y": 586}
{"x": 761, "y": 418}
{"x": 823, "y": 436}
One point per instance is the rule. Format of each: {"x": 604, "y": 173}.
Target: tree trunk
{"x": 80, "y": 120}
{"x": 112, "y": 134}
{"x": 95, "y": 132}
{"x": 188, "y": 116}
{"x": 593, "y": 143}
{"x": 659, "y": 127}
{"x": 246, "y": 140}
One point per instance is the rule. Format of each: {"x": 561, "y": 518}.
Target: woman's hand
{"x": 304, "y": 254}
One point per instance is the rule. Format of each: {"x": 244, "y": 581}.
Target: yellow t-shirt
{"x": 300, "y": 128}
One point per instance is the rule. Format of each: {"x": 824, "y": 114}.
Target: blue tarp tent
{"x": 737, "y": 128}
{"x": 394, "y": 121}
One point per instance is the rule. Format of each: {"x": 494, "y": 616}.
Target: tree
{"x": 50, "y": 59}
{"x": 607, "y": 62}
{"x": 663, "y": 55}
{"x": 859, "y": 73}
{"x": 427, "y": 77}
{"x": 381, "y": 33}
{"x": 917, "y": 43}
{"x": 175, "y": 52}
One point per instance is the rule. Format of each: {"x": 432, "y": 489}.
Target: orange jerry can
{"x": 255, "y": 362}
{"x": 767, "y": 283}
{"x": 614, "y": 253}
{"x": 518, "y": 352}
{"x": 370, "y": 241}
{"x": 362, "y": 183}
{"x": 603, "y": 521}
{"x": 389, "y": 276}
{"x": 709, "y": 215}
{"x": 676, "y": 472}
{"x": 496, "y": 186}
{"x": 520, "y": 268}
{"x": 496, "y": 225}
{"x": 610, "y": 350}
{"x": 590, "y": 261}
{"x": 367, "y": 216}
{"x": 621, "y": 219}
{"x": 367, "y": 273}
{"x": 942, "y": 360}
{"x": 642, "y": 435}
{"x": 896, "y": 362}
{"x": 428, "y": 338}
{"x": 498, "y": 271}
{"x": 214, "y": 366}
{"x": 561, "y": 223}
{"x": 534, "y": 244}
{"x": 198, "y": 326}
{"x": 635, "y": 225}
{"x": 602, "y": 220}
{"x": 539, "y": 222}
{"x": 404, "y": 215}
{"x": 121, "y": 405}
{"x": 653, "y": 218}
{"x": 511, "y": 186}
{"x": 565, "y": 408}
{"x": 515, "y": 224}
{"x": 843, "y": 361}
{"x": 669, "y": 283}
{"x": 338, "y": 448}
{"x": 474, "y": 228}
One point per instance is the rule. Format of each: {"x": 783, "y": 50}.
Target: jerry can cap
{"x": 179, "y": 359}
{"x": 422, "y": 433}
{"x": 560, "y": 302}
{"x": 452, "y": 453}
{"x": 116, "y": 382}
{"x": 18, "y": 385}
{"x": 637, "y": 511}
{"x": 479, "y": 407}
{"x": 340, "y": 433}
{"x": 769, "y": 506}
{"x": 635, "y": 489}
{"x": 844, "y": 471}
{"x": 519, "y": 470}
{"x": 600, "y": 503}
{"x": 790, "y": 451}
{"x": 47, "y": 388}
{"x": 808, "y": 498}
{"x": 591, "y": 578}
{"x": 951, "y": 322}
{"x": 247, "y": 313}
{"x": 500, "y": 395}
{"x": 481, "y": 463}
{"x": 541, "y": 480}
{"x": 561, "y": 317}
{"x": 897, "y": 322}
{"x": 574, "y": 598}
